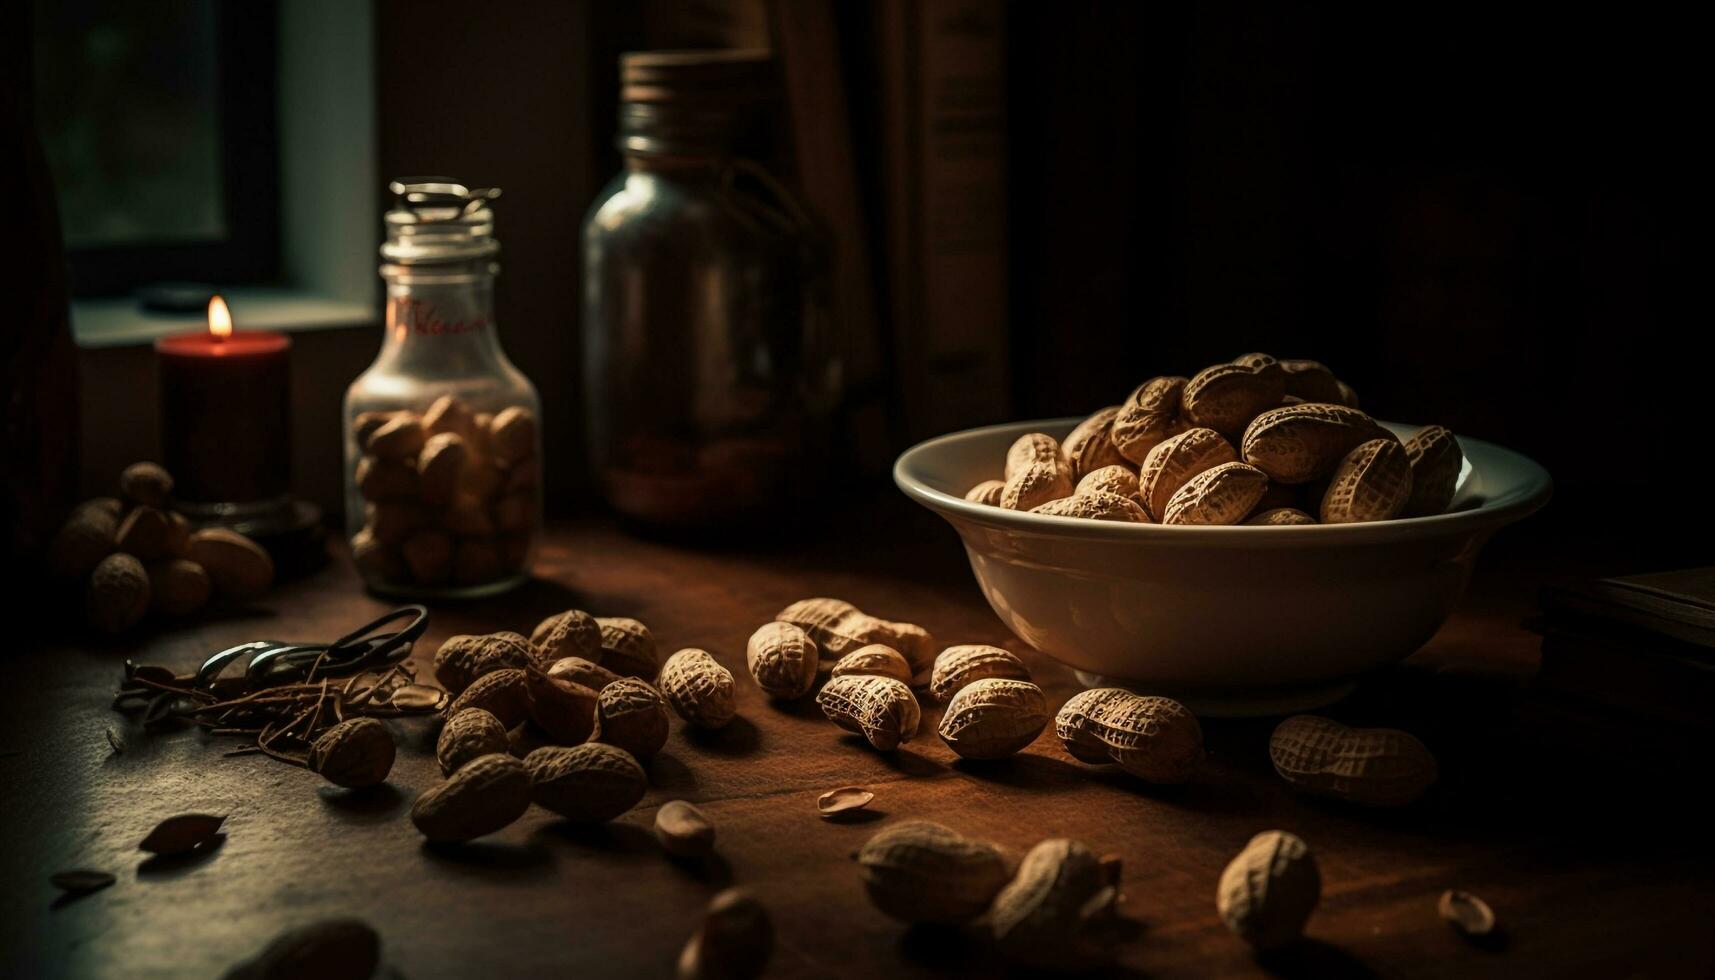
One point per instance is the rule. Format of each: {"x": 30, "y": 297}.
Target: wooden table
{"x": 1588, "y": 843}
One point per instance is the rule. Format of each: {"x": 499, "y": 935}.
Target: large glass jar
{"x": 709, "y": 371}
{"x": 443, "y": 457}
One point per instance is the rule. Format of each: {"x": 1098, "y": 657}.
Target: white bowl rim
{"x": 1519, "y": 497}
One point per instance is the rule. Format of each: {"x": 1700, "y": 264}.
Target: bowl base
{"x": 1236, "y": 704}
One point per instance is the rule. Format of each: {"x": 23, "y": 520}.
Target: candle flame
{"x": 219, "y": 319}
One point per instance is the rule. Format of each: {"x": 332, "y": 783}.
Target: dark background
{"x": 1478, "y": 216}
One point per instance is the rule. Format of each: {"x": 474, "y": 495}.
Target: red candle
{"x": 226, "y": 416}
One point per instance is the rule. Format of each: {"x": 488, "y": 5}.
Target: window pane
{"x": 127, "y": 104}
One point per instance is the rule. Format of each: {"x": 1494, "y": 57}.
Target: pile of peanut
{"x": 560, "y": 719}
{"x": 568, "y": 717}
{"x": 134, "y": 554}
{"x": 1255, "y": 441}
{"x": 451, "y": 495}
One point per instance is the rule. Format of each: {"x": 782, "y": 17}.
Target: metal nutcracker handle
{"x": 275, "y": 662}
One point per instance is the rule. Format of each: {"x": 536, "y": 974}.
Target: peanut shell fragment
{"x": 1466, "y": 913}
{"x": 843, "y": 800}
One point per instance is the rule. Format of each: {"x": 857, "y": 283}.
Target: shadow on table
{"x": 738, "y": 737}
{"x": 1312, "y": 959}
{"x": 485, "y": 856}
{"x": 621, "y": 839}
{"x": 174, "y": 865}
{"x": 372, "y": 804}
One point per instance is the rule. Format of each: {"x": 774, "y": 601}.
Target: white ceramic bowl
{"x": 1231, "y": 620}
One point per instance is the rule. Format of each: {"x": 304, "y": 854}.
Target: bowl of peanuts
{"x": 1246, "y": 540}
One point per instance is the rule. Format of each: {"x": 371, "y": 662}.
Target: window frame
{"x": 247, "y": 115}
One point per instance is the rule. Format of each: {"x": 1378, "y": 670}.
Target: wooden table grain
{"x": 1586, "y": 838}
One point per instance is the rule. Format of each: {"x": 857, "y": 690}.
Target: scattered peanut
{"x": 733, "y": 943}
{"x": 633, "y": 716}
{"x": 993, "y": 718}
{"x": 355, "y": 753}
{"x": 683, "y": 830}
{"x": 1268, "y": 891}
{"x": 144, "y": 533}
{"x": 463, "y": 658}
{"x": 1156, "y": 739}
{"x": 84, "y": 539}
{"x": 782, "y": 658}
{"x": 881, "y": 709}
{"x": 118, "y": 594}
{"x": 627, "y": 647}
{"x": 1372, "y": 766}
{"x": 589, "y": 783}
{"x": 698, "y": 688}
{"x": 482, "y": 796}
{"x": 573, "y": 633}
{"x": 921, "y": 871}
{"x": 565, "y": 710}
{"x": 146, "y": 484}
{"x": 878, "y": 659}
{"x": 238, "y": 566}
{"x": 504, "y": 693}
{"x": 469, "y": 733}
{"x": 581, "y": 671}
{"x": 178, "y": 586}
{"x": 1048, "y": 916}
{"x": 960, "y": 665}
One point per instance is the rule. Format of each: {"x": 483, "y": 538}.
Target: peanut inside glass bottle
{"x": 443, "y": 454}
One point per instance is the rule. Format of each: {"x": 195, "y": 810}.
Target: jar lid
{"x": 694, "y": 102}
{"x": 437, "y": 219}
{"x": 735, "y": 76}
